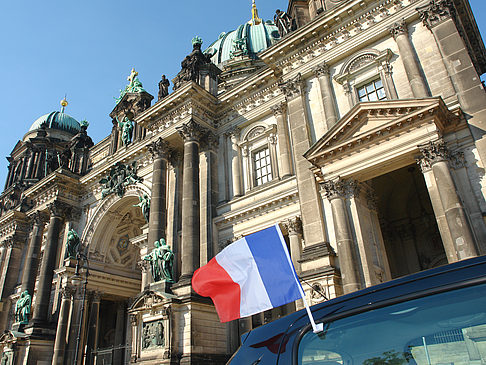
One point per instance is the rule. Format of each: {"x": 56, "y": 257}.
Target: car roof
{"x": 440, "y": 278}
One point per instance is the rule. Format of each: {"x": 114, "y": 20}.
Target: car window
{"x": 446, "y": 328}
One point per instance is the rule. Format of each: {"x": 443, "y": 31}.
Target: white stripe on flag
{"x": 240, "y": 265}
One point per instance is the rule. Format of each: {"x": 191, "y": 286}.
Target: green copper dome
{"x": 248, "y": 39}
{"x": 57, "y": 120}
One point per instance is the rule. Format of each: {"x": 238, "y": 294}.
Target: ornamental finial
{"x": 255, "y": 19}
{"x": 64, "y": 104}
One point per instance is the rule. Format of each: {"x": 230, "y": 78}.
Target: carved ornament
{"x": 436, "y": 12}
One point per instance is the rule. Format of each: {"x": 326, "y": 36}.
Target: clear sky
{"x": 86, "y": 49}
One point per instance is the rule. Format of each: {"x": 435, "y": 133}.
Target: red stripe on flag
{"x": 211, "y": 280}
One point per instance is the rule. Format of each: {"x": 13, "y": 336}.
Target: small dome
{"x": 249, "y": 38}
{"x": 57, "y": 120}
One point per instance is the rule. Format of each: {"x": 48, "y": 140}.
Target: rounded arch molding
{"x": 104, "y": 209}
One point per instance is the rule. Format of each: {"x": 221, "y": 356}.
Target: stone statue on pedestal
{"x": 161, "y": 261}
{"x": 284, "y": 22}
{"x": 72, "y": 244}
{"x": 22, "y": 308}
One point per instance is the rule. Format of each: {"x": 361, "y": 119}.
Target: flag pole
{"x": 316, "y": 328}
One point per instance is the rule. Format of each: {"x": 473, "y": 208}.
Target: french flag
{"x": 249, "y": 276}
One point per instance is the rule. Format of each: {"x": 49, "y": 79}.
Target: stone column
{"x": 399, "y": 32}
{"x": 223, "y": 170}
{"x": 336, "y": 192}
{"x": 236, "y": 163}
{"x": 94, "y": 314}
{"x": 327, "y": 93}
{"x": 33, "y": 252}
{"x": 60, "y": 343}
{"x": 209, "y": 195}
{"x": 174, "y": 209}
{"x": 435, "y": 156}
{"x": 158, "y": 207}
{"x": 294, "y": 229}
{"x": 279, "y": 111}
{"x": 119, "y": 333}
{"x": 191, "y": 132}
{"x": 57, "y": 211}
{"x": 438, "y": 16}
{"x": 310, "y": 200}
{"x": 135, "y": 338}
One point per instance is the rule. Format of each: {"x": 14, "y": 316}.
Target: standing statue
{"x": 284, "y": 22}
{"x": 163, "y": 87}
{"x": 22, "y": 308}
{"x": 72, "y": 244}
{"x": 161, "y": 261}
{"x": 126, "y": 127}
{"x": 144, "y": 204}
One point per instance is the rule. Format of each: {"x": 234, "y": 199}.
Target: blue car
{"x": 435, "y": 317}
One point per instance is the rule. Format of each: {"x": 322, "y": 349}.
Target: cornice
{"x": 321, "y": 39}
{"x": 189, "y": 92}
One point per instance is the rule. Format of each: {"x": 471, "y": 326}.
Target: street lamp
{"x": 77, "y": 280}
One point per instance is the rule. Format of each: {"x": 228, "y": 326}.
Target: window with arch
{"x": 259, "y": 151}
{"x": 367, "y": 76}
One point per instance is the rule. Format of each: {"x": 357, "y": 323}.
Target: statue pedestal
{"x": 161, "y": 287}
{"x": 18, "y": 326}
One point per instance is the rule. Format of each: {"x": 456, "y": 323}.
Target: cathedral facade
{"x": 356, "y": 125}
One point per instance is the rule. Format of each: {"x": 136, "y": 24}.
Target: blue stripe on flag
{"x": 277, "y": 274}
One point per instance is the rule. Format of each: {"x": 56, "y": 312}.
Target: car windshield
{"x": 447, "y": 328}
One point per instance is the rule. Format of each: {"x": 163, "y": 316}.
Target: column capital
{"x": 58, "y": 209}
{"x": 66, "y": 292}
{"x": 398, "y": 28}
{"x": 38, "y": 218}
{"x": 191, "y": 131}
{"x": 133, "y": 319}
{"x": 143, "y": 265}
{"x": 293, "y": 87}
{"x": 159, "y": 149}
{"x": 175, "y": 158}
{"x": 279, "y": 109}
{"x": 432, "y": 153}
{"x": 293, "y": 225}
{"x": 436, "y": 12}
{"x": 95, "y": 295}
{"x": 321, "y": 70}
{"x": 340, "y": 188}
{"x": 210, "y": 141}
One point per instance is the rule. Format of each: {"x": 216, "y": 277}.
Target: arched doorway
{"x": 114, "y": 278}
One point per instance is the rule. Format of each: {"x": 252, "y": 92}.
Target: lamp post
{"x": 76, "y": 280}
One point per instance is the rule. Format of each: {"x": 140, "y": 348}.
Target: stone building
{"x": 358, "y": 125}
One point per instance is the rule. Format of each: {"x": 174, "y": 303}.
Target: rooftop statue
{"x": 163, "y": 87}
{"x": 134, "y": 86}
{"x": 72, "y": 244}
{"x": 82, "y": 140}
{"x": 22, "y": 308}
{"x": 191, "y": 64}
{"x": 284, "y": 22}
{"x": 126, "y": 126}
{"x": 144, "y": 204}
{"x": 161, "y": 260}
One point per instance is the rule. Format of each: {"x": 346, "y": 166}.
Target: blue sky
{"x": 86, "y": 49}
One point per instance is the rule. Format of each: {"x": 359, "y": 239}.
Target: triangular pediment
{"x": 368, "y": 121}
